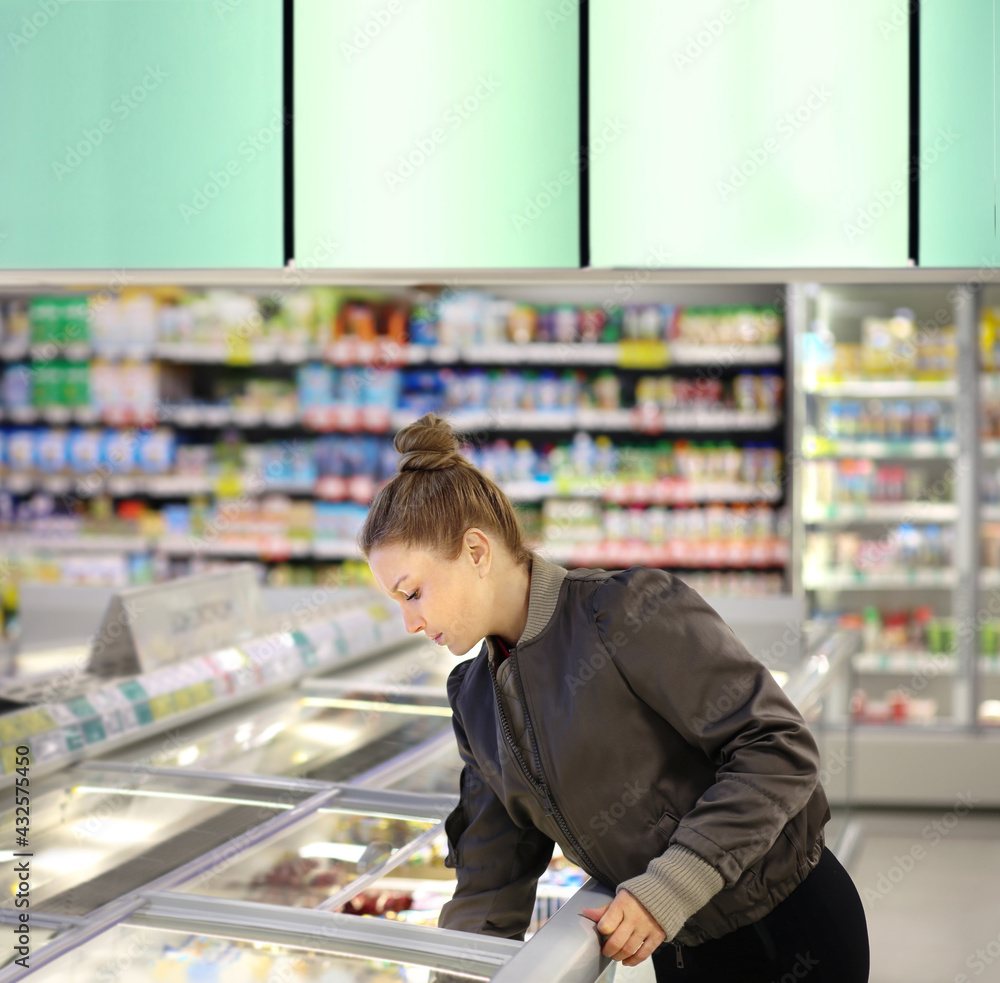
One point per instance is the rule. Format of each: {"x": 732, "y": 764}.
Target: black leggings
{"x": 817, "y": 934}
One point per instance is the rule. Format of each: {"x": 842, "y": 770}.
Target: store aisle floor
{"x": 930, "y": 883}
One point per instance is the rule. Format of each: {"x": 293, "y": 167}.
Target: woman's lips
{"x": 437, "y": 638}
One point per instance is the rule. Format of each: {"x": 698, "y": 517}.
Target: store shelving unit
{"x": 882, "y": 523}
{"x": 201, "y": 422}
{"x": 957, "y": 742}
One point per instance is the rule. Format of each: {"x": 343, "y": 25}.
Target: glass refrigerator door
{"x": 879, "y": 515}
{"x": 97, "y": 835}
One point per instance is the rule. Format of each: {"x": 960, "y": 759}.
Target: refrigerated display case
{"x": 171, "y": 869}
{"x": 893, "y": 432}
{"x": 879, "y": 520}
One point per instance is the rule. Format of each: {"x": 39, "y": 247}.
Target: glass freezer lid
{"x": 441, "y": 772}
{"x": 318, "y": 859}
{"x": 331, "y": 739}
{"x": 148, "y": 955}
{"x": 416, "y": 892}
{"x": 97, "y": 834}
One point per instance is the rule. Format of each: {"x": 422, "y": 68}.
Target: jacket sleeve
{"x": 682, "y": 660}
{"x": 497, "y": 862}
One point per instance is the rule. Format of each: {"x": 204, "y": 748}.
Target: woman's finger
{"x": 595, "y": 914}
{"x": 642, "y": 953}
{"x": 632, "y": 943}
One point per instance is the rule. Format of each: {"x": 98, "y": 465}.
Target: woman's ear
{"x": 478, "y": 547}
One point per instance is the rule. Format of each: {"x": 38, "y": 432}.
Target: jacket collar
{"x": 543, "y": 595}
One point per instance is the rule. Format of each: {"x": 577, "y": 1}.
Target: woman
{"x": 613, "y": 713}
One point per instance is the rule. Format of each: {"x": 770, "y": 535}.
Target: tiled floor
{"x": 930, "y": 883}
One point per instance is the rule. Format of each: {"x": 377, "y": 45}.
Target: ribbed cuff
{"x": 674, "y": 887}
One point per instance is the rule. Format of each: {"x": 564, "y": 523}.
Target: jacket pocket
{"x": 455, "y": 825}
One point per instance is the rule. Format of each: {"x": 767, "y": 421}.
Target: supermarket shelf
{"x": 351, "y": 352}
{"x": 991, "y": 448}
{"x": 884, "y": 388}
{"x": 276, "y": 546}
{"x": 881, "y": 512}
{"x": 749, "y": 555}
{"x": 990, "y": 513}
{"x": 351, "y": 419}
{"x": 926, "y": 664}
{"x": 630, "y": 421}
{"x": 254, "y": 353}
{"x": 989, "y": 383}
{"x": 853, "y": 580}
{"x": 906, "y": 663}
{"x": 989, "y": 578}
{"x": 736, "y": 354}
{"x": 335, "y": 549}
{"x": 155, "y": 486}
{"x": 61, "y": 543}
{"x": 221, "y": 416}
{"x": 613, "y": 555}
{"x": 667, "y": 492}
{"x": 820, "y": 447}
{"x": 55, "y": 415}
{"x": 688, "y": 493}
{"x": 534, "y": 353}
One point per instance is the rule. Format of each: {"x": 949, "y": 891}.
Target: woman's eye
{"x": 416, "y": 593}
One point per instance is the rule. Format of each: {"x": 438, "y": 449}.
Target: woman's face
{"x": 445, "y": 599}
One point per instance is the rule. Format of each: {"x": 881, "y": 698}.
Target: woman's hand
{"x": 633, "y": 931}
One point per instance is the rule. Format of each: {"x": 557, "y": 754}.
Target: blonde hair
{"x": 436, "y": 496}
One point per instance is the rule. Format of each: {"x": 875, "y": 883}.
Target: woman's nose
{"x": 413, "y": 622}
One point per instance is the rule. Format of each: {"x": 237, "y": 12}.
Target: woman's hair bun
{"x": 429, "y": 444}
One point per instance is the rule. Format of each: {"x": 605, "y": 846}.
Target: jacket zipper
{"x": 548, "y": 803}
{"x": 680, "y": 957}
